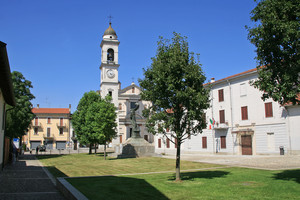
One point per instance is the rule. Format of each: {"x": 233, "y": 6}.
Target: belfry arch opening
{"x": 110, "y": 55}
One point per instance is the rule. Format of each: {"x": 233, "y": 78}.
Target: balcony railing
{"x": 61, "y": 124}
{"x": 36, "y": 124}
{"x": 48, "y": 136}
{"x": 221, "y": 125}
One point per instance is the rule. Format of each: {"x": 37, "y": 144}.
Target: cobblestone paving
{"x": 26, "y": 179}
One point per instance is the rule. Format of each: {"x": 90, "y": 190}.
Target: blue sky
{"x": 56, "y": 43}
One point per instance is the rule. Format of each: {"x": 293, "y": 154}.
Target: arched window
{"x": 110, "y": 55}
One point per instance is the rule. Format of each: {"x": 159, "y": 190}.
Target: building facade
{"x": 6, "y": 97}
{"x": 239, "y": 122}
{"x": 124, "y": 99}
{"x": 50, "y": 127}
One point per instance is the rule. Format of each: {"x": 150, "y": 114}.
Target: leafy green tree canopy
{"x": 174, "y": 85}
{"x": 19, "y": 117}
{"x": 94, "y": 121}
{"x": 276, "y": 37}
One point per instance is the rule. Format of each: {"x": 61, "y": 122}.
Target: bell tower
{"x": 109, "y": 65}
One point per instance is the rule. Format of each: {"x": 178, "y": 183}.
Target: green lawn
{"x": 90, "y": 165}
{"x": 224, "y": 183}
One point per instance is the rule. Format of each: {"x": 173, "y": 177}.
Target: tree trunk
{"x": 90, "y": 150}
{"x": 95, "y": 149}
{"x": 178, "y": 161}
{"x": 105, "y": 151}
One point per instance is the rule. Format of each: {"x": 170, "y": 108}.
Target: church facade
{"x": 123, "y": 99}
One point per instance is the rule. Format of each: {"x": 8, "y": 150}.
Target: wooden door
{"x": 246, "y": 145}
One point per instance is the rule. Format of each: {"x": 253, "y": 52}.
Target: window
{"x": 133, "y": 89}
{"x": 221, "y": 95}
{"x": 132, "y": 105}
{"x": 36, "y": 131}
{"x": 48, "y": 120}
{"x": 244, "y": 113}
{"x": 110, "y": 55}
{"x": 223, "y": 142}
{"x": 268, "y": 109}
{"x": 36, "y": 121}
{"x": 120, "y": 106}
{"x": 121, "y": 139}
{"x": 130, "y": 132}
{"x": 159, "y": 143}
{"x": 110, "y": 93}
{"x": 168, "y": 143}
{"x": 61, "y": 121}
{"x": 61, "y": 131}
{"x": 243, "y": 91}
{"x": 204, "y": 142}
{"x": 48, "y": 132}
{"x": 222, "y": 116}
{"x": 204, "y": 120}
{"x": 146, "y": 137}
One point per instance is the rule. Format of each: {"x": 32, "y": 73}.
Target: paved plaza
{"x": 26, "y": 179}
{"x": 268, "y": 162}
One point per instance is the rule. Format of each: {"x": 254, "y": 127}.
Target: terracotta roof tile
{"x": 51, "y": 110}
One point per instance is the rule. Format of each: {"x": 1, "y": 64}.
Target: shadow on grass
{"x": 289, "y": 175}
{"x": 201, "y": 174}
{"x": 114, "y": 187}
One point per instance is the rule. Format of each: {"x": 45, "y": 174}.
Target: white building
{"x": 124, "y": 99}
{"x": 244, "y": 123}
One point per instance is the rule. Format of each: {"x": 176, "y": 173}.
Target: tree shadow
{"x": 115, "y": 187}
{"x": 191, "y": 176}
{"x": 288, "y": 175}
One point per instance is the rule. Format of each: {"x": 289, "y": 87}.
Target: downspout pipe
{"x": 231, "y": 114}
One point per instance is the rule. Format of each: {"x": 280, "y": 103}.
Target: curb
{"x": 68, "y": 190}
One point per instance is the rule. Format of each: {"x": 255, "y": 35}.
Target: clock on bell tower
{"x": 109, "y": 65}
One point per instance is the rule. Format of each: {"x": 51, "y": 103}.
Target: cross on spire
{"x": 110, "y": 17}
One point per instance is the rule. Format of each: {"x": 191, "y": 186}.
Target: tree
{"x": 94, "y": 120}
{"x": 174, "y": 85}
{"x": 19, "y": 117}
{"x": 276, "y": 38}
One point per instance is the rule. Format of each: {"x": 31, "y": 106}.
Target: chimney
{"x": 38, "y": 106}
{"x": 212, "y": 80}
{"x": 70, "y": 106}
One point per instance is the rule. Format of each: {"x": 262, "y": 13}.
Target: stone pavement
{"x": 268, "y": 162}
{"x": 26, "y": 179}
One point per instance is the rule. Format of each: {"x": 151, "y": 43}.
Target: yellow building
{"x": 50, "y": 127}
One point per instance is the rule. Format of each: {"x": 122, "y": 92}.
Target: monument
{"x": 136, "y": 146}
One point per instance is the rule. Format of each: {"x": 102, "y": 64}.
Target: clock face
{"x": 110, "y": 73}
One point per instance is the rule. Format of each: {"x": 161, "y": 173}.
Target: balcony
{"x": 36, "y": 124}
{"x": 48, "y": 136}
{"x": 61, "y": 125}
{"x": 222, "y": 125}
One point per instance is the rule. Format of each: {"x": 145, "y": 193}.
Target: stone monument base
{"x": 137, "y": 147}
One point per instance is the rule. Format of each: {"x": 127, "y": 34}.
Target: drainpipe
{"x": 231, "y": 115}
{"x": 289, "y": 131}
{"x": 212, "y": 115}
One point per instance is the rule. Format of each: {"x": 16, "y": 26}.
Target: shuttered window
{"x": 204, "y": 142}
{"x": 49, "y": 120}
{"x": 168, "y": 143}
{"x": 269, "y": 109}
{"x": 244, "y": 110}
{"x": 121, "y": 139}
{"x": 159, "y": 143}
{"x": 222, "y": 116}
{"x": 223, "y": 142}
{"x": 221, "y": 95}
